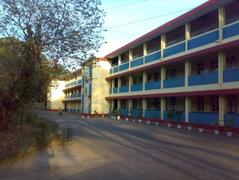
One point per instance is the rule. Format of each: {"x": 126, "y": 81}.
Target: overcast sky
{"x": 149, "y": 13}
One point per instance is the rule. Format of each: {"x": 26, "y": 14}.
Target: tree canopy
{"x": 66, "y": 31}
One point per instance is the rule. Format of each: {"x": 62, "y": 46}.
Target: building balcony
{"x": 153, "y": 57}
{"x": 175, "y": 82}
{"x": 74, "y": 83}
{"x": 124, "y": 89}
{"x": 115, "y": 69}
{"x": 137, "y": 62}
{"x": 174, "y": 116}
{"x": 136, "y": 113}
{"x": 152, "y": 113}
{"x": 174, "y": 49}
{"x": 203, "y": 39}
{"x": 231, "y": 75}
{"x": 231, "y": 119}
{"x": 137, "y": 87}
{"x": 201, "y": 79}
{"x": 124, "y": 112}
{"x": 208, "y": 118}
{"x": 115, "y": 90}
{"x": 153, "y": 85}
{"x": 231, "y": 30}
{"x": 124, "y": 66}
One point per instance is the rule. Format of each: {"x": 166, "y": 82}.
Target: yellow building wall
{"x": 56, "y": 95}
{"x": 100, "y": 88}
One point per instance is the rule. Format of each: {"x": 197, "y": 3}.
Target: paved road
{"x": 110, "y": 149}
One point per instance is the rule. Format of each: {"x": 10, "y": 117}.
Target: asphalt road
{"x": 117, "y": 150}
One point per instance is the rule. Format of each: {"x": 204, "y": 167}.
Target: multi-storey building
{"x": 186, "y": 69}
{"x": 84, "y": 91}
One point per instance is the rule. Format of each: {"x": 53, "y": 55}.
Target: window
{"x": 214, "y": 103}
{"x": 154, "y": 103}
{"x": 172, "y": 104}
{"x": 214, "y": 65}
{"x": 231, "y": 62}
{"x": 172, "y": 73}
{"x": 200, "y": 68}
{"x": 231, "y": 104}
{"x": 153, "y": 76}
{"x": 200, "y": 104}
{"x": 137, "y": 104}
{"x": 124, "y": 104}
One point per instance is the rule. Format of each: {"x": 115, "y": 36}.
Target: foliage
{"x": 66, "y": 31}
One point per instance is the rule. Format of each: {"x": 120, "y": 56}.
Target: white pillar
{"x": 162, "y": 107}
{"x": 187, "y": 34}
{"x": 188, "y": 108}
{"x": 130, "y": 82}
{"x": 113, "y": 85}
{"x": 221, "y": 18}
{"x": 222, "y": 109}
{"x": 119, "y": 60}
{"x": 144, "y": 106}
{"x": 163, "y": 75}
{"x": 163, "y": 44}
{"x": 221, "y": 66}
{"x": 187, "y": 72}
{"x": 119, "y": 104}
{"x": 130, "y": 105}
{"x": 119, "y": 84}
{"x": 144, "y": 80}
{"x": 144, "y": 49}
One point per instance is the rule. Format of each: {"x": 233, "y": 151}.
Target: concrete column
{"x": 162, "y": 107}
{"x": 119, "y": 84}
{"x": 163, "y": 76}
{"x": 188, "y": 108}
{"x": 221, "y": 66}
{"x": 187, "y": 34}
{"x": 130, "y": 105}
{"x": 145, "y": 49}
{"x": 119, "y": 104}
{"x": 130, "y": 82}
{"x": 222, "y": 109}
{"x": 221, "y": 18}
{"x": 144, "y": 79}
{"x": 113, "y": 85}
{"x": 163, "y": 44}
{"x": 119, "y": 60}
{"x": 130, "y": 55}
{"x": 187, "y": 72}
{"x": 144, "y": 106}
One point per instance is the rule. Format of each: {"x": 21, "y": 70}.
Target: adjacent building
{"x": 186, "y": 69}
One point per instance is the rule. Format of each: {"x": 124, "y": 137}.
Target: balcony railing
{"x": 153, "y": 85}
{"x": 175, "y": 82}
{"x": 74, "y": 83}
{"x": 231, "y": 119}
{"x": 203, "y": 39}
{"x": 174, "y": 116}
{"x": 174, "y": 49}
{"x": 231, "y": 30}
{"x": 124, "y": 112}
{"x": 152, "y": 113}
{"x": 115, "y": 90}
{"x": 73, "y": 96}
{"x": 124, "y": 66}
{"x": 115, "y": 69}
{"x": 231, "y": 75}
{"x": 200, "y": 79}
{"x": 137, "y": 87}
{"x": 204, "y": 117}
{"x": 153, "y": 57}
{"x": 136, "y": 113}
{"x": 124, "y": 89}
{"x": 137, "y": 62}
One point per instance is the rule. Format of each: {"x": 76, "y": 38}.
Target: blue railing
{"x": 124, "y": 89}
{"x": 203, "y": 39}
{"x": 231, "y": 119}
{"x": 115, "y": 90}
{"x": 137, "y": 62}
{"x": 231, "y": 75}
{"x": 115, "y": 69}
{"x": 124, "y": 66}
{"x": 137, "y": 87}
{"x": 204, "y": 117}
{"x": 152, "y": 113}
{"x": 124, "y": 112}
{"x": 136, "y": 113}
{"x": 174, "y": 49}
{"x": 175, "y": 82}
{"x": 152, "y": 85}
{"x": 153, "y": 57}
{"x": 200, "y": 79}
{"x": 231, "y": 30}
{"x": 174, "y": 116}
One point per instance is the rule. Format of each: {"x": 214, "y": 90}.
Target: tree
{"x": 66, "y": 31}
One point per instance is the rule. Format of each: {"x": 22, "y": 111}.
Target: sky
{"x": 127, "y": 20}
